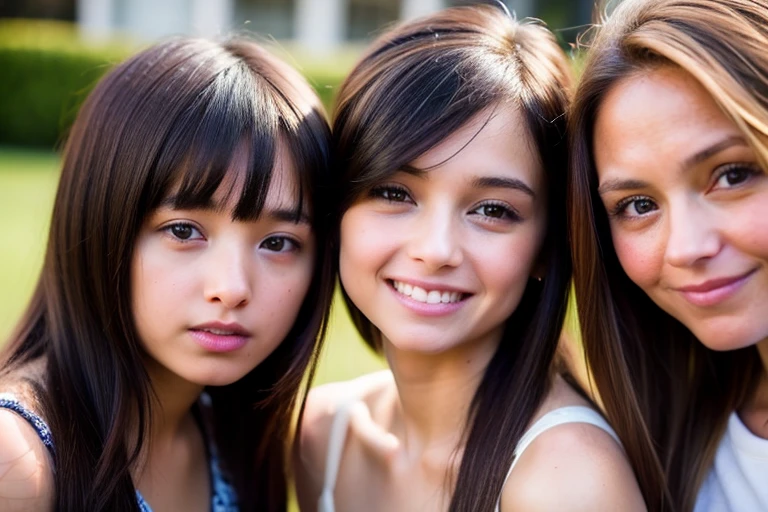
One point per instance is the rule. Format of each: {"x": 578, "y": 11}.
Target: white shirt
{"x": 738, "y": 480}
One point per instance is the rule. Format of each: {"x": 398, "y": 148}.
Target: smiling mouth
{"x": 427, "y": 296}
{"x": 715, "y": 291}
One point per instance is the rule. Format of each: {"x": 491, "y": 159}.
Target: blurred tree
{"x": 51, "y": 9}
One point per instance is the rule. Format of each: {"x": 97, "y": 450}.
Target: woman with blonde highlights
{"x": 669, "y": 230}
{"x": 450, "y": 162}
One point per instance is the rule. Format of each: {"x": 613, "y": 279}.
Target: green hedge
{"x": 47, "y": 70}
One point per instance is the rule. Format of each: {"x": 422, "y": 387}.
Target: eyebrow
{"x": 616, "y": 184}
{"x": 704, "y": 154}
{"x": 503, "y": 182}
{"x": 276, "y": 214}
{"x": 695, "y": 159}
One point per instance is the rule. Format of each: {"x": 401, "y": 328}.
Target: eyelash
{"x": 295, "y": 245}
{"x": 169, "y": 230}
{"x": 508, "y": 214}
{"x": 750, "y": 170}
{"x": 381, "y": 192}
{"x": 620, "y": 209}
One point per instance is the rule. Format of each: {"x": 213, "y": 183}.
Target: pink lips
{"x": 219, "y": 336}
{"x": 714, "y": 291}
{"x": 429, "y": 310}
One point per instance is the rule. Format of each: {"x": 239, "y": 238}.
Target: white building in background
{"x": 317, "y": 25}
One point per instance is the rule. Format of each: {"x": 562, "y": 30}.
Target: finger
{"x": 370, "y": 432}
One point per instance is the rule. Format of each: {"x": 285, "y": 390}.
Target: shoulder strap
{"x": 336, "y": 441}
{"x": 10, "y": 402}
{"x": 570, "y": 414}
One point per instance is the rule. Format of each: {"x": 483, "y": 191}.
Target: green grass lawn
{"x": 27, "y": 187}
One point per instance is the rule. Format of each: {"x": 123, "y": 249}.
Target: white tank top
{"x": 572, "y": 414}
{"x": 738, "y": 480}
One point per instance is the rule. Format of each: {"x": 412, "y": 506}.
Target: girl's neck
{"x": 171, "y": 404}
{"x": 434, "y": 392}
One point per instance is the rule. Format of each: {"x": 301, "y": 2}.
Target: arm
{"x": 573, "y": 467}
{"x": 26, "y": 477}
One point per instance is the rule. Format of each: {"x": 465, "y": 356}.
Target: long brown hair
{"x": 416, "y": 85}
{"x": 171, "y": 116}
{"x": 667, "y": 396}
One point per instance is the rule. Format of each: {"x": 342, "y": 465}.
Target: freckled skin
{"x": 687, "y": 222}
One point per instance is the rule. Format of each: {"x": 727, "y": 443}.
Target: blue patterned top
{"x": 223, "y": 499}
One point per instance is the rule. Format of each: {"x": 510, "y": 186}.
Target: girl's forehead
{"x": 495, "y": 140}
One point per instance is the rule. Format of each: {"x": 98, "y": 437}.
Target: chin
{"x": 219, "y": 378}
{"x": 729, "y": 337}
{"x": 424, "y": 344}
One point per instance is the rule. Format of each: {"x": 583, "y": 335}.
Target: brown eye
{"x": 733, "y": 175}
{"x": 279, "y": 244}
{"x": 496, "y": 212}
{"x": 182, "y": 231}
{"x": 492, "y": 210}
{"x": 391, "y": 193}
{"x": 736, "y": 176}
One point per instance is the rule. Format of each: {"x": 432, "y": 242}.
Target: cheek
{"x": 746, "y": 228}
{"x": 641, "y": 257}
{"x": 508, "y": 265}
{"x": 366, "y": 243}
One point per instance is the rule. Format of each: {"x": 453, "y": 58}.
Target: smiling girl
{"x": 453, "y": 260}
{"x": 669, "y": 212}
{"x": 185, "y": 283}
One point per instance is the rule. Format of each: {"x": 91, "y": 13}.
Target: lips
{"x": 714, "y": 291}
{"x": 222, "y": 329}
{"x": 219, "y": 336}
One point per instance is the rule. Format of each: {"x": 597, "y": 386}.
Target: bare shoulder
{"x": 323, "y": 404}
{"x": 572, "y": 466}
{"x": 26, "y": 476}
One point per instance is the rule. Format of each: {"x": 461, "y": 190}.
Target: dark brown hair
{"x": 416, "y": 85}
{"x": 171, "y": 116}
{"x": 667, "y": 396}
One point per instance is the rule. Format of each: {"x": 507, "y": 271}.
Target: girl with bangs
{"x": 185, "y": 285}
{"x": 450, "y": 162}
{"x": 669, "y": 213}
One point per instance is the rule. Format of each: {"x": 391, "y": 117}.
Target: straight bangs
{"x": 413, "y": 90}
{"x": 234, "y": 113}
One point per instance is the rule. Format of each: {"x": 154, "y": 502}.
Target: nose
{"x": 436, "y": 239}
{"x": 693, "y": 235}
{"x": 228, "y": 277}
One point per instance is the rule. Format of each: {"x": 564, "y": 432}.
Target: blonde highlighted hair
{"x": 667, "y": 395}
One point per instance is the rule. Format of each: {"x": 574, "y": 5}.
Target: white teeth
{"x": 430, "y": 297}
{"x": 419, "y": 294}
{"x": 433, "y": 297}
